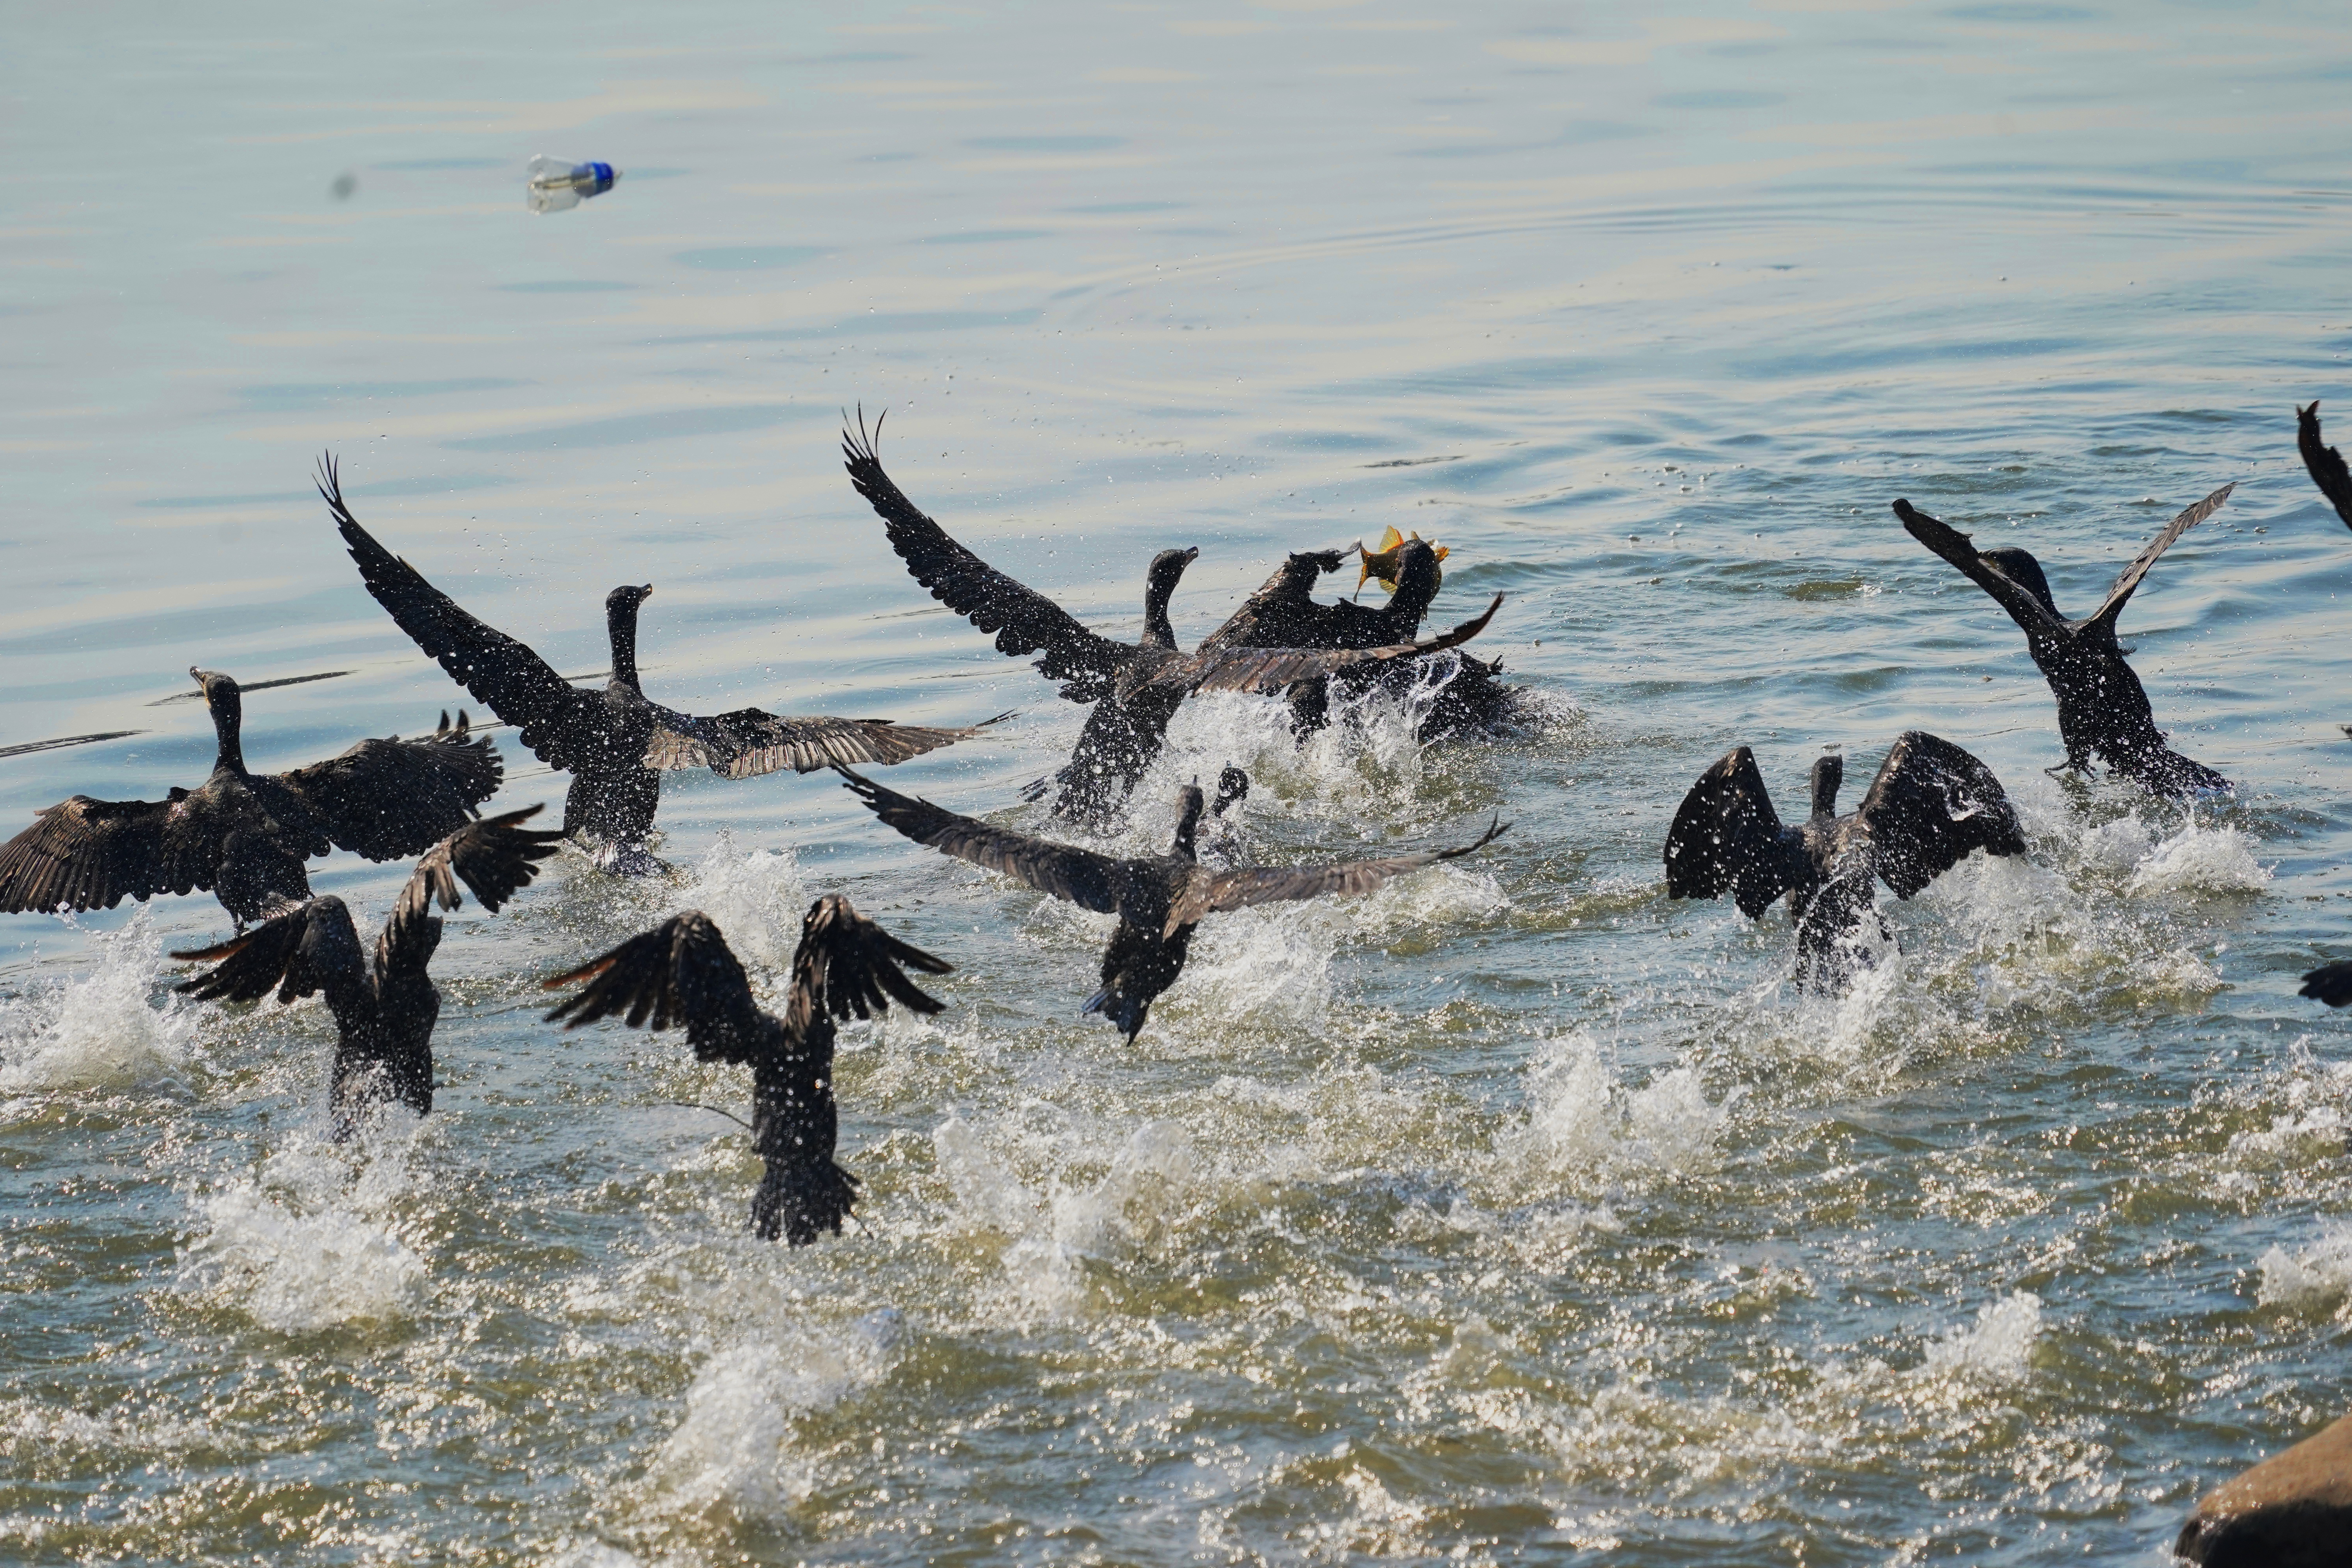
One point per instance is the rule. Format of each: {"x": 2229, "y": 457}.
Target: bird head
{"x": 624, "y": 599}
{"x": 2020, "y": 568}
{"x": 1829, "y": 776}
{"x": 1232, "y": 787}
{"x": 1402, "y": 563}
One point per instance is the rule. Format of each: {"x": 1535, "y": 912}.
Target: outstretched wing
{"x": 1727, "y": 838}
{"x": 847, "y": 965}
{"x": 1931, "y": 805}
{"x": 2128, "y": 578}
{"x": 1283, "y": 611}
{"x": 1024, "y": 620}
{"x": 1268, "y": 670}
{"x": 559, "y": 721}
{"x": 2038, "y": 619}
{"x": 1090, "y": 880}
{"x": 497, "y": 857}
{"x": 2325, "y": 465}
{"x": 681, "y": 972}
{"x": 752, "y": 740}
{"x": 86, "y": 854}
{"x": 1209, "y": 891}
{"x": 384, "y": 799}
{"x": 308, "y": 949}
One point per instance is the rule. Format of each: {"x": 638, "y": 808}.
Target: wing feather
{"x": 1024, "y": 620}
{"x": 847, "y": 964}
{"x": 2325, "y": 463}
{"x": 1932, "y": 806}
{"x": 1207, "y": 892}
{"x": 2037, "y": 618}
{"x": 310, "y": 948}
{"x": 1727, "y": 838}
{"x": 384, "y": 799}
{"x": 681, "y": 972}
{"x": 751, "y": 741}
{"x": 2128, "y": 578}
{"x": 560, "y": 722}
{"x": 1270, "y": 670}
{"x": 497, "y": 857}
{"x": 1082, "y": 877}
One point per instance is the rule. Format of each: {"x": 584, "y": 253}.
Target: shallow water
{"x": 1512, "y": 1212}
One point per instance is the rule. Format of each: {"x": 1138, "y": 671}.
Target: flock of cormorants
{"x": 248, "y": 837}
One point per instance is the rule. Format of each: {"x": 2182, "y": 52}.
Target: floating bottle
{"x": 558, "y": 185}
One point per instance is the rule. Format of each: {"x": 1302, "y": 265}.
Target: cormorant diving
{"x": 1930, "y": 806}
{"x": 385, "y": 1011}
{"x": 1134, "y": 688}
{"x": 2103, "y": 710}
{"x": 243, "y": 836}
{"x": 614, "y": 743}
{"x": 1159, "y": 901}
{"x": 682, "y": 971}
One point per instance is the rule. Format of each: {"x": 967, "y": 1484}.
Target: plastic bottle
{"x": 558, "y": 185}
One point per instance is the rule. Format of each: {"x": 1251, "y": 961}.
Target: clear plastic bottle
{"x": 558, "y": 185}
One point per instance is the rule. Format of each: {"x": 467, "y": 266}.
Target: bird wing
{"x": 1024, "y": 620}
{"x": 2037, "y": 618}
{"x": 91, "y": 853}
{"x": 310, "y": 948}
{"x": 1930, "y": 806}
{"x": 1206, "y": 891}
{"x": 384, "y": 799}
{"x": 1268, "y": 670}
{"x": 2330, "y": 982}
{"x": 2128, "y": 578}
{"x": 496, "y": 856}
{"x": 681, "y": 972}
{"x": 1084, "y": 878}
{"x": 1281, "y": 603}
{"x": 1728, "y": 837}
{"x": 559, "y": 721}
{"x": 847, "y": 965}
{"x": 752, "y": 741}
{"x": 2326, "y": 464}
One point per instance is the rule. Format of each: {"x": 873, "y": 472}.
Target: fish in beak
{"x": 1381, "y": 566}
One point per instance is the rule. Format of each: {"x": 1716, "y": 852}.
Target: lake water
{"x": 1514, "y": 1213}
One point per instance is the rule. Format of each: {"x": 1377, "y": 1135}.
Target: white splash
{"x": 988, "y": 1196}
{"x": 2199, "y": 860}
{"x": 1584, "y": 1123}
{"x": 100, "y": 1029}
{"x": 757, "y": 898}
{"x": 1998, "y": 1348}
{"x": 303, "y": 1244}
{"x": 733, "y": 1456}
{"x": 2311, "y": 1284}
{"x": 1104, "y": 1220}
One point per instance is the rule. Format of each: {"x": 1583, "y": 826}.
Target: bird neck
{"x": 621, "y": 620}
{"x": 1188, "y": 823}
{"x": 1158, "y": 631}
{"x": 1828, "y": 774}
{"x": 228, "y": 723}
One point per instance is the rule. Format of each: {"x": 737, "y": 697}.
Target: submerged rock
{"x": 2292, "y": 1511}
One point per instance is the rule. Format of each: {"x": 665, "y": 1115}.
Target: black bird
{"x": 2330, "y": 982}
{"x": 682, "y": 971}
{"x": 1285, "y": 613}
{"x": 1159, "y": 901}
{"x": 1930, "y": 806}
{"x": 2103, "y": 710}
{"x": 246, "y": 835}
{"x": 613, "y": 744}
{"x": 1136, "y": 688}
{"x": 2325, "y": 465}
{"x": 385, "y": 1011}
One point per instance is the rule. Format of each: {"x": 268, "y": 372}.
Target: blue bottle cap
{"x": 603, "y": 173}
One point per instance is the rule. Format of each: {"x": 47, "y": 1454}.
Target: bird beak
{"x": 1193, "y": 554}
{"x": 647, "y": 590}
{"x": 199, "y": 676}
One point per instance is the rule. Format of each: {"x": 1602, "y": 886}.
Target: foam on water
{"x": 307, "y": 1242}
{"x": 1121, "y": 1211}
{"x": 1997, "y": 1348}
{"x": 102, "y": 1029}
{"x": 1585, "y": 1127}
{"x": 734, "y": 1457}
{"x": 2312, "y": 1283}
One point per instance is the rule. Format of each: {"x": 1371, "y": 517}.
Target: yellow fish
{"x": 1381, "y": 566}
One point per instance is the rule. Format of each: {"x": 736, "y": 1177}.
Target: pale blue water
{"x": 1514, "y": 1213}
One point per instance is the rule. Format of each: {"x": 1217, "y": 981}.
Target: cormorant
{"x": 1159, "y": 901}
{"x": 614, "y": 743}
{"x": 1931, "y": 805}
{"x": 2330, "y": 982}
{"x": 1136, "y": 688}
{"x": 682, "y": 971}
{"x": 384, "y": 1012}
{"x": 2102, "y": 707}
{"x": 1285, "y": 613}
{"x": 245, "y": 836}
{"x": 2325, "y": 465}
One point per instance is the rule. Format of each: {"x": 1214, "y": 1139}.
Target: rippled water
{"x": 1513, "y": 1212}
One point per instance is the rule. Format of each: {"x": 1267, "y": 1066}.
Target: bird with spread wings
{"x": 384, "y": 1009}
{"x": 246, "y": 836}
{"x": 1930, "y": 808}
{"x": 682, "y": 971}
{"x": 2103, "y": 710}
{"x": 1134, "y": 688}
{"x": 1159, "y": 901}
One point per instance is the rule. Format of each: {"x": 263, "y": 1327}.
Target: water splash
{"x": 1585, "y": 1127}
{"x": 98, "y": 1030}
{"x": 1997, "y": 1348}
{"x": 2312, "y": 1284}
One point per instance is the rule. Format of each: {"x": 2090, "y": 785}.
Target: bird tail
{"x": 2166, "y": 771}
{"x": 1124, "y": 1011}
{"x": 801, "y": 1201}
